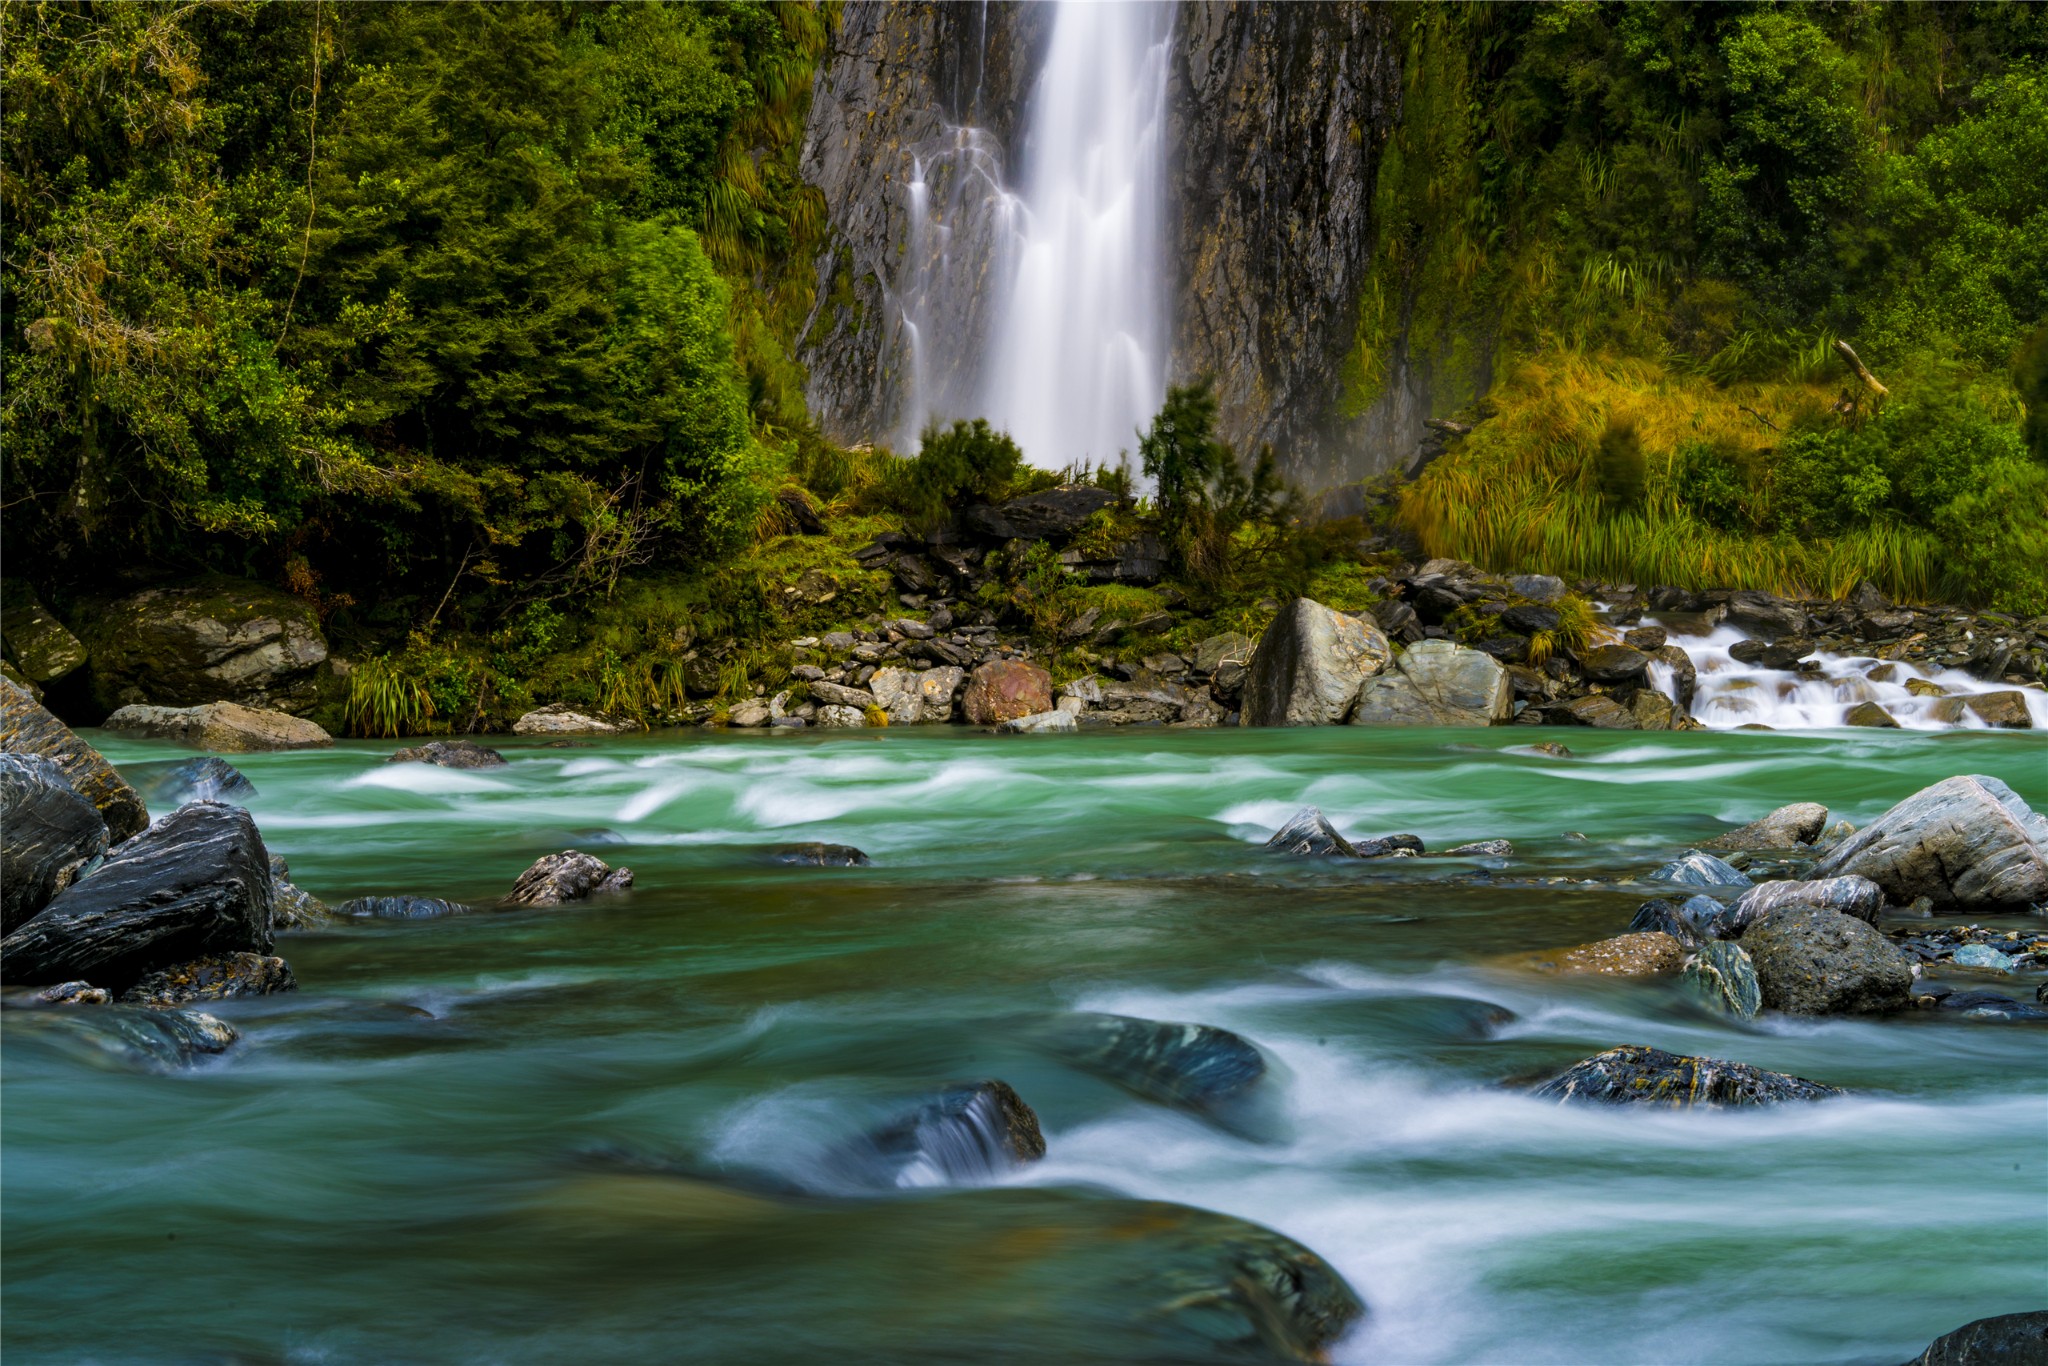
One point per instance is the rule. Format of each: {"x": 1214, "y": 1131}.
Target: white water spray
{"x": 1045, "y": 310}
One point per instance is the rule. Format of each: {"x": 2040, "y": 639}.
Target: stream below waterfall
{"x": 386, "y": 1169}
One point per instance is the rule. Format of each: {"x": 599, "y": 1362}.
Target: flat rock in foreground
{"x": 1967, "y": 841}
{"x": 1634, "y": 1075}
{"x": 28, "y": 727}
{"x": 195, "y": 883}
{"x": 221, "y": 726}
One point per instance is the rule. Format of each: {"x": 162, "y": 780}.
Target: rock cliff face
{"x": 1276, "y": 117}
{"x": 898, "y": 82}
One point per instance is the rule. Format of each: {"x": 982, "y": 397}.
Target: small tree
{"x": 1201, "y": 494}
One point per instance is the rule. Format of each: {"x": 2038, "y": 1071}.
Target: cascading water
{"x": 1045, "y": 310}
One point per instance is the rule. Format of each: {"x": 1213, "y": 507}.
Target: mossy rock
{"x": 211, "y": 639}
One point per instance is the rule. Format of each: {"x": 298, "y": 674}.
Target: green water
{"x": 384, "y": 1168}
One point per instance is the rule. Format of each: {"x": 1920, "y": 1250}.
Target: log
{"x": 1848, "y": 353}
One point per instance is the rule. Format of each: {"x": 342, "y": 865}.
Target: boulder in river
{"x": 1857, "y": 896}
{"x": 559, "y": 718}
{"x": 568, "y": 876}
{"x": 1697, "y": 868}
{"x": 1870, "y": 714}
{"x": 401, "y": 907}
{"x": 36, "y": 642}
{"x": 1435, "y": 683}
{"x": 1634, "y": 1075}
{"x": 291, "y": 907}
{"x": 205, "y": 640}
{"x": 228, "y": 726}
{"x": 2005, "y": 1340}
{"x": 1721, "y": 974}
{"x": 1005, "y": 689}
{"x": 1309, "y": 665}
{"x": 1308, "y": 831}
{"x": 819, "y": 855}
{"x": 2003, "y": 710}
{"x": 27, "y": 727}
{"x": 208, "y": 778}
{"x": 1814, "y": 961}
{"x": 129, "y": 1037}
{"x": 450, "y": 754}
{"x": 967, "y": 1133}
{"x": 1650, "y": 953}
{"x": 1189, "y": 1066}
{"x": 1789, "y": 827}
{"x": 195, "y": 883}
{"x": 50, "y": 836}
{"x": 1968, "y": 841}
{"x": 213, "y": 978}
{"x": 1691, "y": 922}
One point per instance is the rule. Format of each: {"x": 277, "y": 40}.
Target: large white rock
{"x": 227, "y": 726}
{"x": 898, "y": 693}
{"x": 559, "y": 718}
{"x": 1309, "y": 665}
{"x": 835, "y": 717}
{"x": 1967, "y": 841}
{"x": 1436, "y": 683}
{"x": 938, "y": 688}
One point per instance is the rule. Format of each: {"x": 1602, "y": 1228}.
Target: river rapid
{"x": 386, "y": 1168}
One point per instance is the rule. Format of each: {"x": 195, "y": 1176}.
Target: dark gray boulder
{"x": 1309, "y": 832}
{"x": 1988, "y": 1005}
{"x": 1968, "y": 842}
{"x": 400, "y": 907}
{"x": 568, "y": 876}
{"x": 208, "y": 778}
{"x": 819, "y": 856}
{"x": 1189, "y": 1066}
{"x": 50, "y": 836}
{"x": 1691, "y": 921}
{"x": 2005, "y": 1340}
{"x": 213, "y": 978}
{"x": 449, "y": 754}
{"x": 195, "y": 883}
{"x": 1814, "y": 961}
{"x": 1634, "y": 1075}
{"x": 1699, "y": 869}
{"x": 28, "y": 727}
{"x": 1788, "y": 827}
{"x": 1857, "y": 896}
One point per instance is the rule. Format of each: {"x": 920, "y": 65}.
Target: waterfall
{"x": 1044, "y": 309}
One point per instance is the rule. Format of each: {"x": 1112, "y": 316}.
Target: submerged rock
{"x": 28, "y": 727}
{"x": 1967, "y": 841}
{"x": 1988, "y": 1005}
{"x": 195, "y": 883}
{"x": 1788, "y": 827}
{"x": 568, "y": 876}
{"x": 1722, "y": 976}
{"x": 1189, "y": 1066}
{"x": 1857, "y": 896}
{"x": 125, "y": 1036}
{"x": 212, "y": 979}
{"x": 1699, "y": 869}
{"x": 1814, "y": 961}
{"x": 50, "y": 836}
{"x": 228, "y": 726}
{"x": 450, "y": 754}
{"x": 209, "y": 778}
{"x": 1309, "y": 665}
{"x": 1435, "y": 683}
{"x": 1481, "y": 849}
{"x": 1643, "y": 954}
{"x": 401, "y": 907}
{"x": 819, "y": 855}
{"x": 1634, "y": 1075}
{"x": 966, "y": 1133}
{"x": 2006, "y": 1340}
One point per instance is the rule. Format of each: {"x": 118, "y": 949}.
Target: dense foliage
{"x": 373, "y": 297}
{"x": 1720, "y": 192}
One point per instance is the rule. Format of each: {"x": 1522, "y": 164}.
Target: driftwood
{"x": 1848, "y": 353}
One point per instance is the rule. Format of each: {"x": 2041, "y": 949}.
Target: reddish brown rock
{"x": 1005, "y": 689}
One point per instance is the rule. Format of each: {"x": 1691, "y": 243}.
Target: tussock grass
{"x": 1526, "y": 489}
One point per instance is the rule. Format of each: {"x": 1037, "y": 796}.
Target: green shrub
{"x": 968, "y": 462}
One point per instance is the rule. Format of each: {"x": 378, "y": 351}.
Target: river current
{"x": 386, "y": 1168}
